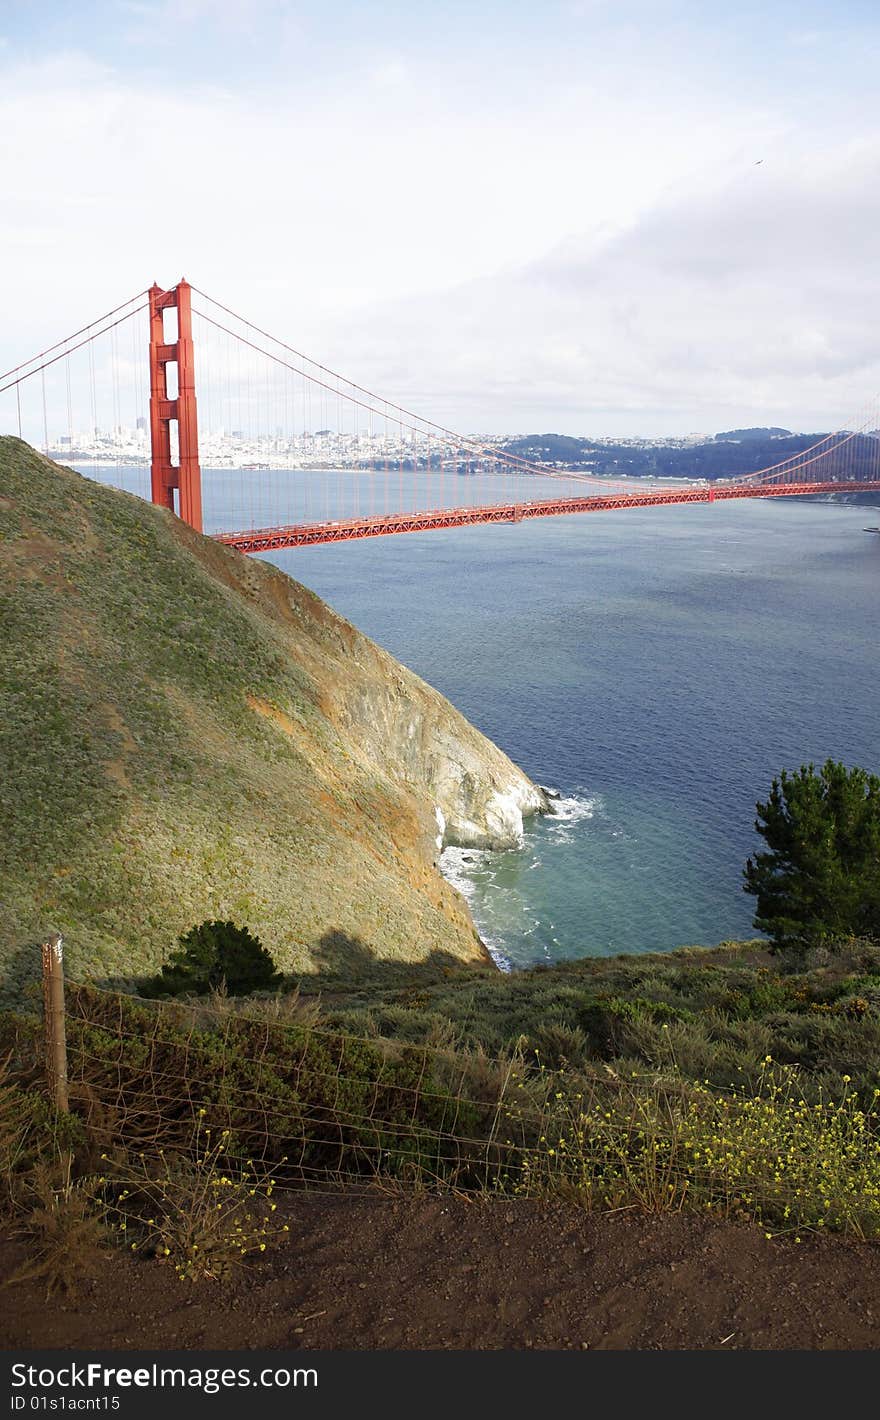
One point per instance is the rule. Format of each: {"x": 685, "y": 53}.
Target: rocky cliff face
{"x": 187, "y": 733}
{"x": 475, "y": 797}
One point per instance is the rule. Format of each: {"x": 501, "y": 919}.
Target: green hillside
{"x": 177, "y": 742}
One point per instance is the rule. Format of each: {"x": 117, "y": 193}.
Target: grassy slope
{"x": 713, "y": 1014}
{"x": 168, "y": 749}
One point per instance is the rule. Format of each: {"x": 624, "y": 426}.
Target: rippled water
{"x": 656, "y": 668}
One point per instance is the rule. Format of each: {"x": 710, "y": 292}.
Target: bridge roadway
{"x": 388, "y": 524}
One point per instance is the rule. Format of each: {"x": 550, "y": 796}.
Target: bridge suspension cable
{"x": 377, "y": 404}
{"x": 808, "y": 456}
{"x": 65, "y": 347}
{"x": 72, "y": 398}
{"x": 372, "y": 401}
{"x": 295, "y": 453}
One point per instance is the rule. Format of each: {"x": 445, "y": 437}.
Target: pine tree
{"x": 819, "y": 883}
{"x": 217, "y": 955}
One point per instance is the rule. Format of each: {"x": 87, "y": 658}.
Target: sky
{"x": 621, "y": 217}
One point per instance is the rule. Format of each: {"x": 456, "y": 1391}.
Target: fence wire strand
{"x": 327, "y": 1111}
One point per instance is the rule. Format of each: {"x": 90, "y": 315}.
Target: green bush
{"x": 216, "y": 956}
{"x": 819, "y": 882}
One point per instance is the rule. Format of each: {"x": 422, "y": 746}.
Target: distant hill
{"x": 187, "y": 733}
{"x": 550, "y": 447}
{"x": 739, "y": 436}
{"x": 728, "y": 455}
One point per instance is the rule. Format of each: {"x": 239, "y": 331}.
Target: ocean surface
{"x": 655, "y": 667}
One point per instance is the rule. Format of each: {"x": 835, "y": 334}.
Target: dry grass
{"x": 64, "y": 1228}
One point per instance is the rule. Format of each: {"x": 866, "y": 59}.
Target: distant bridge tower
{"x": 186, "y": 476}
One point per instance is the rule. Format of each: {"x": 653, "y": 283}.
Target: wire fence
{"x": 314, "y": 1108}
{"x": 318, "y": 1106}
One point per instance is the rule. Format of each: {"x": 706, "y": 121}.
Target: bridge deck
{"x": 390, "y": 524}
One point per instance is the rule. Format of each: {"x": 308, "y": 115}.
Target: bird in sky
{"x": 757, "y": 162}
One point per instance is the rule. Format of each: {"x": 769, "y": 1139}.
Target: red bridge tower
{"x": 186, "y": 476}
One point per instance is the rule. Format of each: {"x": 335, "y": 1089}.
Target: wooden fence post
{"x": 53, "y": 1014}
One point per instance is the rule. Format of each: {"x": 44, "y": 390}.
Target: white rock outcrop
{"x": 475, "y": 796}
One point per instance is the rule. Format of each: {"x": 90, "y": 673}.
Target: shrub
{"x": 203, "y": 1211}
{"x": 766, "y": 1155}
{"x": 819, "y": 883}
{"x": 216, "y": 956}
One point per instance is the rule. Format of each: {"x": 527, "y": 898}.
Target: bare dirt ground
{"x": 371, "y": 1272}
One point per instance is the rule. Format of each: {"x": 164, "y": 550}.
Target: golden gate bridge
{"x": 268, "y": 483}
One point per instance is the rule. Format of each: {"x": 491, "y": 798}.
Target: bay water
{"x": 656, "y": 668}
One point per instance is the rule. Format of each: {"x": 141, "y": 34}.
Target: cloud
{"x": 391, "y": 72}
{"x": 587, "y": 244}
{"x": 325, "y": 201}
{"x": 754, "y": 300}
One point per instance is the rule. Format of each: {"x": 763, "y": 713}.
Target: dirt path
{"x": 372, "y": 1272}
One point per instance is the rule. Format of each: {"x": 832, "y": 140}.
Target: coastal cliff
{"x": 400, "y": 724}
{"x": 187, "y": 733}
